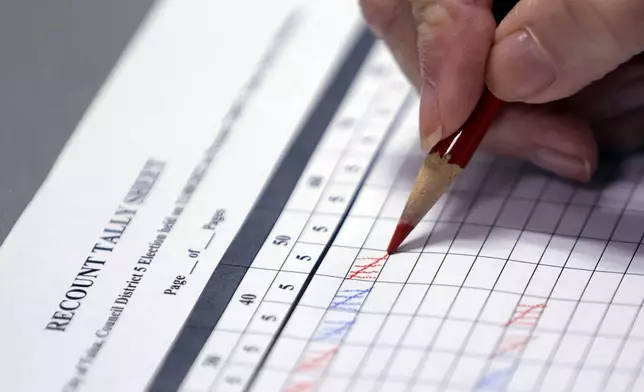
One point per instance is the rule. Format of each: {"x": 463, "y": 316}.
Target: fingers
{"x": 619, "y": 92}
{"x": 392, "y": 21}
{"x": 550, "y": 49}
{"x": 442, "y": 47}
{"x": 559, "y": 143}
{"x": 453, "y": 42}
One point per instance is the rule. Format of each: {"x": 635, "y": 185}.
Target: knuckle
{"x": 433, "y": 21}
{"x": 380, "y": 15}
{"x": 452, "y": 20}
{"x": 430, "y": 15}
{"x": 460, "y": 27}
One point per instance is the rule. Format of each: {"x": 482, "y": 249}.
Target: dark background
{"x": 54, "y": 56}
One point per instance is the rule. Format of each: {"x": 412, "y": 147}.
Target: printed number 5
{"x": 287, "y": 287}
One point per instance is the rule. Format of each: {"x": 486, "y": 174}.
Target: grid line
{"x": 389, "y": 131}
{"x": 427, "y": 352}
{"x": 518, "y": 358}
{"x": 580, "y": 365}
{"x": 546, "y": 369}
{"x": 493, "y": 289}
{"x": 373, "y": 100}
{"x": 468, "y": 234}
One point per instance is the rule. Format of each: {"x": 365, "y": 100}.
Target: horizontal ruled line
{"x": 475, "y": 287}
{"x": 457, "y": 319}
{"x": 452, "y": 254}
{"x": 527, "y": 361}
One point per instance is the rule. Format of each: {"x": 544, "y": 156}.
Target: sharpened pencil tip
{"x": 401, "y": 232}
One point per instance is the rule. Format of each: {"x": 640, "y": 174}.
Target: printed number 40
{"x": 247, "y": 299}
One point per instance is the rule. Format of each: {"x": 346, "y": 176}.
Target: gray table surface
{"x": 54, "y": 56}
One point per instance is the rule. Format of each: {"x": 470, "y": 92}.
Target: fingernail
{"x": 562, "y": 164}
{"x": 524, "y": 68}
{"x": 429, "y": 121}
{"x": 427, "y": 143}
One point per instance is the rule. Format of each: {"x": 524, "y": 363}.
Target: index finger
{"x": 453, "y": 41}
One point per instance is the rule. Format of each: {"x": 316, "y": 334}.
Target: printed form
{"x": 218, "y": 222}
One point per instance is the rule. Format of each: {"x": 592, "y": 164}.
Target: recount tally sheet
{"x": 219, "y": 220}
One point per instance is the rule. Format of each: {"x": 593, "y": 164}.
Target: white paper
{"x": 515, "y": 281}
{"x": 166, "y": 100}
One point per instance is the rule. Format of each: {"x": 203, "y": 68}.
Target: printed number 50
{"x": 281, "y": 240}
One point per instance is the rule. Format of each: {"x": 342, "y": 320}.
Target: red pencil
{"x": 443, "y": 163}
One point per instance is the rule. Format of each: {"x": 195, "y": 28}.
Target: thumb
{"x": 550, "y": 49}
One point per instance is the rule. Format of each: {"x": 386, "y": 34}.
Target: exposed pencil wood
{"x": 446, "y": 160}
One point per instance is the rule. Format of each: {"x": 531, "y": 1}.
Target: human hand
{"x": 573, "y": 70}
